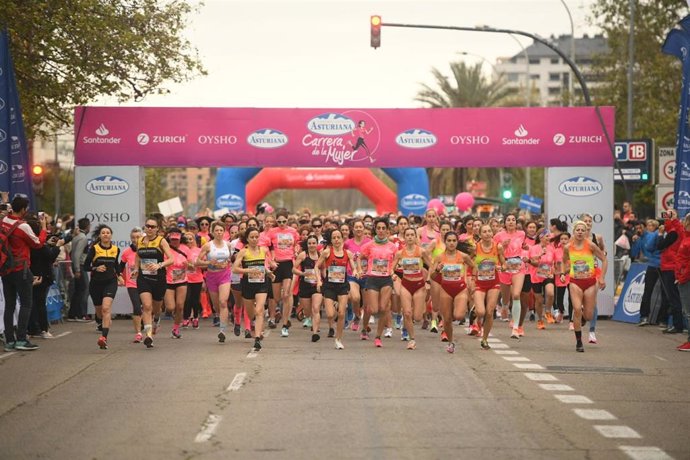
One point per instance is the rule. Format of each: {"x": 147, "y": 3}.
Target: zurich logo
{"x": 416, "y": 139}
{"x": 580, "y": 186}
{"x": 107, "y": 186}
{"x": 267, "y": 139}
{"x": 3, "y": 167}
{"x": 331, "y": 124}
{"x": 414, "y": 201}
{"x": 230, "y": 201}
{"x": 633, "y": 296}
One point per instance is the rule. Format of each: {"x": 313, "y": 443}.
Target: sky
{"x": 316, "y": 53}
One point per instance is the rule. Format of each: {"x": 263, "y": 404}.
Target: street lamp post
{"x": 465, "y": 53}
{"x": 572, "y": 52}
{"x": 527, "y": 76}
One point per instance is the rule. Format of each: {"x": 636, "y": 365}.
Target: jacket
{"x": 21, "y": 241}
{"x": 669, "y": 243}
{"x": 683, "y": 260}
{"x": 646, "y": 245}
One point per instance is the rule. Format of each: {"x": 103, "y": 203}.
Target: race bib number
{"x": 379, "y": 267}
{"x": 452, "y": 272}
{"x": 513, "y": 265}
{"x": 411, "y": 265}
{"x": 178, "y": 275}
{"x": 486, "y": 271}
{"x": 285, "y": 241}
{"x": 131, "y": 268}
{"x": 257, "y": 277}
{"x": 544, "y": 271}
{"x": 336, "y": 274}
{"x": 217, "y": 265}
{"x": 146, "y": 262}
{"x": 581, "y": 270}
{"x": 310, "y": 276}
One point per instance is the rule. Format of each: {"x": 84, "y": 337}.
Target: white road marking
{"x": 528, "y": 366}
{"x": 208, "y": 428}
{"x": 516, "y": 358}
{"x": 237, "y": 382}
{"x": 61, "y": 334}
{"x": 555, "y": 387}
{"x": 501, "y": 346}
{"x": 493, "y": 340}
{"x": 506, "y": 352}
{"x": 617, "y": 431}
{"x": 252, "y": 354}
{"x": 540, "y": 377}
{"x": 267, "y": 332}
{"x": 645, "y": 453}
{"x": 574, "y": 399}
{"x": 595, "y": 414}
{"x": 659, "y": 357}
{"x": 7, "y": 354}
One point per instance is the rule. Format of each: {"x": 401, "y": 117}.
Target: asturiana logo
{"x": 107, "y": 186}
{"x": 267, "y": 139}
{"x": 580, "y": 186}
{"x": 633, "y": 296}
{"x": 416, "y": 139}
{"x": 230, "y": 201}
{"x": 414, "y": 201}
{"x": 331, "y": 124}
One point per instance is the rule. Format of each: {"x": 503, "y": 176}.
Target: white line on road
{"x": 516, "y": 358}
{"x": 237, "y": 382}
{"x": 617, "y": 431}
{"x": 61, "y": 335}
{"x": 645, "y": 453}
{"x": 555, "y": 387}
{"x": 252, "y": 354}
{"x": 7, "y": 354}
{"x": 267, "y": 332}
{"x": 528, "y": 366}
{"x": 501, "y": 346}
{"x": 494, "y": 340}
{"x": 659, "y": 357}
{"x": 208, "y": 428}
{"x": 595, "y": 414}
{"x": 574, "y": 399}
{"x": 506, "y": 352}
{"x": 540, "y": 377}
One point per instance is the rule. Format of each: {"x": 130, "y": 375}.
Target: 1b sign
{"x": 634, "y": 159}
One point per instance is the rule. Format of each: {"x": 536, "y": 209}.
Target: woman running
{"x": 354, "y": 245}
{"x": 176, "y": 278}
{"x": 414, "y": 285}
{"x": 599, "y": 241}
{"x": 334, "y": 260}
{"x": 451, "y": 266}
{"x": 253, "y": 262}
{"x": 102, "y": 262}
{"x": 436, "y": 249}
{"x": 561, "y": 282}
{"x": 580, "y": 255}
{"x": 542, "y": 262}
{"x": 310, "y": 297}
{"x": 128, "y": 269}
{"x": 379, "y": 287}
{"x": 215, "y": 257}
{"x": 153, "y": 256}
{"x": 195, "y": 280}
{"x": 488, "y": 261}
{"x": 239, "y": 311}
{"x": 513, "y": 277}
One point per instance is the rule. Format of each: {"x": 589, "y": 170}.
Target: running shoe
{"x": 579, "y": 347}
{"x": 644, "y": 321}
{"x": 10, "y": 346}
{"x": 405, "y": 335}
{"x": 176, "y": 333}
{"x": 485, "y": 345}
{"x": 138, "y": 338}
{"x": 444, "y": 336}
{"x": 378, "y": 343}
{"x": 186, "y": 323}
{"x": 521, "y": 331}
{"x": 257, "y": 344}
{"x": 216, "y": 321}
{"x": 47, "y": 335}
{"x": 99, "y": 328}
{"x": 451, "y": 347}
{"x": 388, "y": 333}
{"x": 148, "y": 341}
{"x": 309, "y": 323}
{"x": 425, "y": 324}
{"x": 271, "y": 324}
{"x": 279, "y": 315}
{"x": 592, "y": 337}
{"x": 195, "y": 323}
{"x": 247, "y": 334}
{"x": 364, "y": 335}
{"x": 25, "y": 345}
{"x": 549, "y": 318}
{"x": 474, "y": 330}
{"x": 102, "y": 343}
{"x": 540, "y": 325}
{"x": 221, "y": 337}
{"x": 559, "y": 317}
{"x": 156, "y": 324}
{"x": 372, "y": 320}
{"x": 355, "y": 325}
{"x": 683, "y": 347}
{"x": 571, "y": 326}
{"x": 339, "y": 345}
{"x": 412, "y": 345}
{"x": 515, "y": 334}
{"x": 532, "y": 317}
{"x": 284, "y": 332}
{"x": 331, "y": 332}
{"x": 236, "y": 330}
{"x": 398, "y": 321}
{"x": 315, "y": 338}
{"x": 434, "y": 327}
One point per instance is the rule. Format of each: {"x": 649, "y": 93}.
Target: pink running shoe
{"x": 355, "y": 325}
{"x": 138, "y": 338}
{"x": 195, "y": 323}
{"x": 378, "y": 343}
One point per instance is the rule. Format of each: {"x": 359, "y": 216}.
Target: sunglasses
{"x": 150, "y": 226}
{"x": 281, "y": 221}
{"x": 317, "y": 225}
{"x": 204, "y": 224}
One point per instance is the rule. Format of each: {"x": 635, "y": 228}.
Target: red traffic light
{"x": 37, "y": 170}
{"x": 375, "y": 31}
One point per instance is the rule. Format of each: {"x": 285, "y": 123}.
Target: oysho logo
{"x": 520, "y": 138}
{"x": 217, "y": 139}
{"x": 414, "y": 201}
{"x": 580, "y": 186}
{"x": 267, "y": 139}
{"x": 102, "y": 130}
{"x": 633, "y": 296}
{"x": 470, "y": 140}
{"x": 143, "y": 139}
{"x": 331, "y": 124}
{"x": 416, "y": 139}
{"x": 230, "y": 201}
{"x": 3, "y": 167}
{"x": 521, "y": 131}
{"x": 107, "y": 186}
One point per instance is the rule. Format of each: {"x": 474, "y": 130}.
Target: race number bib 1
{"x": 379, "y": 267}
{"x": 452, "y": 272}
{"x": 130, "y": 269}
{"x": 544, "y": 271}
{"x": 513, "y": 264}
{"x": 336, "y": 274}
{"x": 486, "y": 271}
{"x": 310, "y": 276}
{"x": 285, "y": 241}
{"x": 214, "y": 265}
{"x": 178, "y": 274}
{"x": 581, "y": 270}
{"x": 144, "y": 263}
{"x": 257, "y": 277}
{"x": 411, "y": 265}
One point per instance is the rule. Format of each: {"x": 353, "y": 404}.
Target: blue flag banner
{"x": 15, "y": 176}
{"x": 677, "y": 44}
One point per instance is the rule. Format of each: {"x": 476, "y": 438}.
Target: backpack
{"x": 7, "y": 262}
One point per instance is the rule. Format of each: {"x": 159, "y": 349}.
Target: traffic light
{"x": 375, "y": 31}
{"x": 37, "y": 177}
{"x": 507, "y": 190}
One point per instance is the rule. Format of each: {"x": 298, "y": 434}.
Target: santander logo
{"x": 521, "y": 131}
{"x": 102, "y": 130}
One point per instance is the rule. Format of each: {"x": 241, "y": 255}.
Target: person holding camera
{"x": 80, "y": 294}
{"x": 671, "y": 235}
{"x": 644, "y": 248}
{"x": 42, "y": 260}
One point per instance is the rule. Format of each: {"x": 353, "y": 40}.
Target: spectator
{"x": 683, "y": 276}
{"x": 628, "y": 212}
{"x": 79, "y": 299}
{"x": 644, "y": 248}
{"x": 672, "y": 234}
{"x": 42, "y": 260}
{"x": 19, "y": 280}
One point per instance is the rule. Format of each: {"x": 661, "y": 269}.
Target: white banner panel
{"x": 574, "y": 191}
{"x": 111, "y": 195}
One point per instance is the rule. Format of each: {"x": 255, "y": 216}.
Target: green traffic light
{"x": 507, "y": 194}
{"x": 645, "y": 176}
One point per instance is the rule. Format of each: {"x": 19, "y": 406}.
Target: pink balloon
{"x": 464, "y": 201}
{"x": 437, "y": 205}
{"x": 268, "y": 208}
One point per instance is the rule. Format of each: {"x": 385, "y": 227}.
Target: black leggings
{"x": 560, "y": 296}
{"x": 193, "y": 301}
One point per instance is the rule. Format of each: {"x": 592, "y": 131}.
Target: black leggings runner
{"x": 193, "y": 300}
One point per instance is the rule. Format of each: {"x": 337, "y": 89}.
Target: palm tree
{"x": 466, "y": 88}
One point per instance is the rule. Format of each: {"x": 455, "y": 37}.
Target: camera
{"x": 666, "y": 215}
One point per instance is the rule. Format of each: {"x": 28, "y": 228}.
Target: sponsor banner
{"x": 114, "y": 196}
{"x": 573, "y": 192}
{"x": 477, "y": 137}
{"x": 628, "y": 306}
{"x": 667, "y": 165}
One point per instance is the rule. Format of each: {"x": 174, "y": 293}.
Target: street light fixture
{"x": 572, "y": 52}
{"x": 479, "y": 56}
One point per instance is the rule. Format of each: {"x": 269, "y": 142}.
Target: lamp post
{"x": 572, "y": 52}
{"x": 527, "y": 76}
{"x": 479, "y": 56}
{"x": 631, "y": 66}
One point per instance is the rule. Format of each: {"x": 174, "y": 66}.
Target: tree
{"x": 72, "y": 52}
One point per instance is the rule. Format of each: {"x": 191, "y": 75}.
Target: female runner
{"x": 176, "y": 279}
{"x": 215, "y": 257}
{"x": 128, "y": 270}
{"x": 195, "y": 280}
{"x": 542, "y": 260}
{"x": 512, "y": 279}
{"x": 310, "y": 297}
{"x": 354, "y": 245}
{"x": 488, "y": 262}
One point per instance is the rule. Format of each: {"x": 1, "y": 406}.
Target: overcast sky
{"x": 316, "y": 53}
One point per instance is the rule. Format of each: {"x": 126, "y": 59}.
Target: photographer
{"x": 671, "y": 235}
{"x": 644, "y": 248}
{"x": 42, "y": 260}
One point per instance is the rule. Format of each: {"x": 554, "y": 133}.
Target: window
{"x": 554, "y": 91}
{"x": 534, "y": 76}
{"x": 554, "y": 77}
{"x": 513, "y": 77}
{"x": 555, "y": 61}
{"x": 534, "y": 61}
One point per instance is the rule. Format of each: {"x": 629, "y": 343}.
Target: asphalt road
{"x": 626, "y": 397}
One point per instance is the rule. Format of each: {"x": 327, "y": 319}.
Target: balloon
{"x": 268, "y": 209}
{"x": 437, "y": 205}
{"x": 464, "y": 201}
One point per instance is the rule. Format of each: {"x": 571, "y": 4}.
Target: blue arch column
{"x": 413, "y": 188}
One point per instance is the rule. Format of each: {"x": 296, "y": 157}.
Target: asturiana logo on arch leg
{"x": 230, "y": 201}
{"x": 580, "y": 186}
{"x": 414, "y": 201}
{"x": 107, "y": 186}
{"x": 633, "y": 295}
